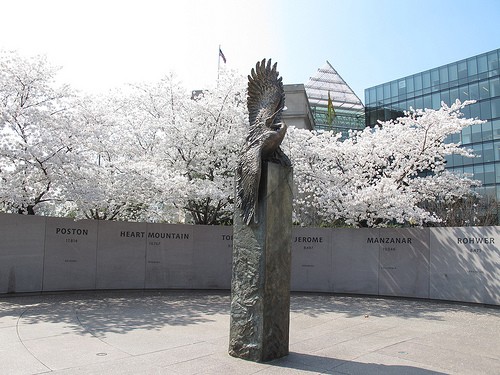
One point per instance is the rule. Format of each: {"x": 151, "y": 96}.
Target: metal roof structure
{"x": 328, "y": 80}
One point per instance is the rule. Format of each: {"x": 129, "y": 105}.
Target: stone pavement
{"x": 186, "y": 332}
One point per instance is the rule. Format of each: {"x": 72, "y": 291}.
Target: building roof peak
{"x": 328, "y": 80}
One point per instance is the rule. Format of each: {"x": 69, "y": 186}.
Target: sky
{"x": 104, "y": 44}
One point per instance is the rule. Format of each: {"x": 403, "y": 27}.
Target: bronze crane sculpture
{"x": 265, "y": 102}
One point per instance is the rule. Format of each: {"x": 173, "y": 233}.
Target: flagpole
{"x": 218, "y": 66}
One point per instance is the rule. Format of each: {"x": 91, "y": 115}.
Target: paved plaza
{"x": 186, "y": 332}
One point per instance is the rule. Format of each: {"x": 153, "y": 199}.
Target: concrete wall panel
{"x": 169, "y": 260}
{"x": 355, "y": 260}
{"x": 121, "y": 255}
{"x": 21, "y": 253}
{"x": 213, "y": 247}
{"x": 404, "y": 262}
{"x": 312, "y": 260}
{"x": 465, "y": 264}
{"x": 70, "y": 254}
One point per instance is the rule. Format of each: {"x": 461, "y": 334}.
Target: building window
{"x": 443, "y": 74}
{"x": 495, "y": 107}
{"x": 476, "y": 133}
{"x": 417, "y": 80}
{"x": 488, "y": 153}
{"x": 487, "y": 131}
{"x": 474, "y": 91}
{"x": 489, "y": 173}
{"x": 496, "y": 130}
{"x": 494, "y": 87}
{"x": 462, "y": 70}
{"x": 482, "y": 64}
{"x": 493, "y": 63}
{"x": 452, "y": 72}
{"x": 471, "y": 66}
{"x": 485, "y": 109}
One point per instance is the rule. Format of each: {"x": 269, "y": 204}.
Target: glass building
{"x": 477, "y": 78}
{"x": 346, "y": 109}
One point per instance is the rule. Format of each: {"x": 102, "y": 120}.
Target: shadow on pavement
{"x": 315, "y": 364}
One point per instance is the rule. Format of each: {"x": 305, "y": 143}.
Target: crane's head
{"x": 274, "y": 123}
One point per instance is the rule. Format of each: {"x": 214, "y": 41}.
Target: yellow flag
{"x": 331, "y": 111}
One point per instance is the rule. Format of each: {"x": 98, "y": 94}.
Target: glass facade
{"x": 326, "y": 88}
{"x": 477, "y": 78}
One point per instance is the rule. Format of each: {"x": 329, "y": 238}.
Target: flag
{"x": 221, "y": 55}
{"x": 331, "y": 111}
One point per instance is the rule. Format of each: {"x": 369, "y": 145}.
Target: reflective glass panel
{"x": 482, "y": 64}
{"x": 496, "y": 129}
{"x": 495, "y": 107}
{"x": 445, "y": 96}
{"x": 436, "y": 100}
{"x": 497, "y": 150}
{"x": 401, "y": 87}
{"x": 474, "y": 91}
{"x": 452, "y": 72}
{"x": 478, "y": 151}
{"x": 466, "y": 135}
{"x": 443, "y": 74}
{"x": 462, "y": 69}
{"x": 417, "y": 80}
{"x": 484, "y": 89}
{"x": 493, "y": 63}
{"x": 372, "y": 95}
{"x": 467, "y": 110}
{"x": 427, "y": 101}
{"x": 463, "y": 93}
{"x": 494, "y": 87}
{"x": 387, "y": 91}
{"x": 435, "y": 77}
{"x": 485, "y": 109}
{"x": 469, "y": 170}
{"x": 409, "y": 84}
{"x": 487, "y": 131}
{"x": 476, "y": 133}
{"x": 488, "y": 153}
{"x": 394, "y": 89}
{"x": 419, "y": 103}
{"x": 454, "y": 95}
{"x": 479, "y": 172}
{"x": 489, "y": 173}
{"x": 426, "y": 79}
{"x": 380, "y": 93}
{"x": 471, "y": 66}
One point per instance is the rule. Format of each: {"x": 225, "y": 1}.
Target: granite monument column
{"x": 260, "y": 286}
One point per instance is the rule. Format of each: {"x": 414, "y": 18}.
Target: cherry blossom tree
{"x": 200, "y": 148}
{"x": 107, "y": 180}
{"x": 35, "y": 132}
{"x": 380, "y": 176}
{"x": 155, "y": 152}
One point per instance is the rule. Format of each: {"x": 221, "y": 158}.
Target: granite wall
{"x": 54, "y": 254}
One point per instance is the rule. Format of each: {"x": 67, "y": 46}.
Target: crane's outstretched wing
{"x": 248, "y": 178}
{"x": 265, "y": 102}
{"x": 265, "y": 96}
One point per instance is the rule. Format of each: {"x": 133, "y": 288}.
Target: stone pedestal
{"x": 260, "y": 286}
